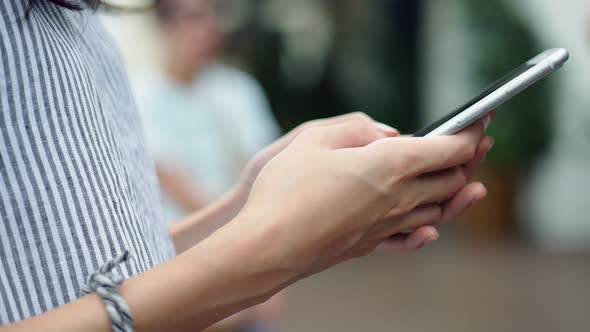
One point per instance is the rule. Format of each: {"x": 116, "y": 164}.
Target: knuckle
{"x": 398, "y": 159}
{"x": 360, "y": 117}
{"x": 468, "y": 151}
{"x": 309, "y": 125}
{"x": 460, "y": 178}
{"x": 405, "y": 161}
{"x": 396, "y": 209}
{"x": 406, "y": 205}
{"x": 434, "y": 214}
{"x": 362, "y": 130}
{"x": 364, "y": 127}
{"x": 308, "y": 134}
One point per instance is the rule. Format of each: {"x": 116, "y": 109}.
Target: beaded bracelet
{"x": 104, "y": 283}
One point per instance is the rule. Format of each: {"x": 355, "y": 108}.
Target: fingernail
{"x": 431, "y": 239}
{"x": 481, "y": 196}
{"x": 487, "y": 121}
{"x": 490, "y": 144}
{"x": 386, "y": 128}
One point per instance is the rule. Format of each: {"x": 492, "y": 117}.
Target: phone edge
{"x": 549, "y": 64}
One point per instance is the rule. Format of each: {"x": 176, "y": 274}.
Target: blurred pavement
{"x": 447, "y": 287}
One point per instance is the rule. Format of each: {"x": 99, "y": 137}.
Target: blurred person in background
{"x": 204, "y": 119}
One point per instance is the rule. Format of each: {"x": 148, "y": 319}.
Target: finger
{"x": 360, "y": 117}
{"x": 493, "y": 115}
{"x": 488, "y": 120}
{"x": 436, "y": 187}
{"x": 484, "y": 148}
{"x": 346, "y": 134}
{"x": 405, "y": 242}
{"x": 287, "y": 139}
{"x": 272, "y": 150}
{"x": 443, "y": 152}
{"x": 388, "y": 130}
{"x": 392, "y": 224}
{"x": 469, "y": 195}
{"x": 418, "y": 155}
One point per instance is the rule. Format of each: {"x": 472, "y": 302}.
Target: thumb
{"x": 347, "y": 134}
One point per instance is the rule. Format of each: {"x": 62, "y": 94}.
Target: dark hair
{"x": 162, "y": 9}
{"x": 88, "y": 4}
{"x": 69, "y": 4}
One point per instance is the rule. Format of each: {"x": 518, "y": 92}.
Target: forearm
{"x": 200, "y": 224}
{"x": 204, "y": 285}
{"x": 180, "y": 188}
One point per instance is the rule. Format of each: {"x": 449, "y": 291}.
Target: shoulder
{"x": 153, "y": 93}
{"x": 243, "y": 99}
{"x": 16, "y": 31}
{"x": 224, "y": 75}
{"x": 40, "y": 64}
{"x": 235, "y": 89}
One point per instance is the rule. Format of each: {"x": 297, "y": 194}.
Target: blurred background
{"x": 231, "y": 75}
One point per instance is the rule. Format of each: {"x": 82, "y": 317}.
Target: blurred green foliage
{"x": 382, "y": 38}
{"x": 379, "y": 38}
{"x": 502, "y": 41}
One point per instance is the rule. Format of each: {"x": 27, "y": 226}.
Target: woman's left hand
{"x": 202, "y": 223}
{"x": 256, "y": 164}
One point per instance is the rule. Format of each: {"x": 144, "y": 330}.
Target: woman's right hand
{"x": 338, "y": 192}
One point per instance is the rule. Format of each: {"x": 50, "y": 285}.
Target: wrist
{"x": 222, "y": 275}
{"x": 201, "y": 224}
{"x": 253, "y": 249}
{"x": 235, "y": 199}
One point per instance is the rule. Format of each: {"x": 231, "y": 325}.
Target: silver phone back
{"x": 543, "y": 65}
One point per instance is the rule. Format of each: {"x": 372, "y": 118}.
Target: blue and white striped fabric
{"x": 76, "y": 185}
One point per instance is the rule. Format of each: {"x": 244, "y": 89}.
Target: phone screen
{"x": 493, "y": 87}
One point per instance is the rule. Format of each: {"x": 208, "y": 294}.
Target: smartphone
{"x": 497, "y": 93}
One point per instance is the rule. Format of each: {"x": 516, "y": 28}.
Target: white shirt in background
{"x": 209, "y": 129}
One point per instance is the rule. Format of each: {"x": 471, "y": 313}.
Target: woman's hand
{"x": 336, "y": 192}
{"x": 201, "y": 224}
{"x": 256, "y": 164}
{"x": 339, "y": 191}
{"x": 197, "y": 226}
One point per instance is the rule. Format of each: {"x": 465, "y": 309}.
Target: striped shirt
{"x": 76, "y": 185}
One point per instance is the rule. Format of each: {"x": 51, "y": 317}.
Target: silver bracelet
{"x": 104, "y": 283}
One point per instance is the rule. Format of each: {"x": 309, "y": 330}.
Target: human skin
{"x": 329, "y": 192}
{"x": 202, "y": 223}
